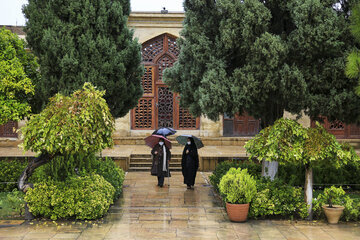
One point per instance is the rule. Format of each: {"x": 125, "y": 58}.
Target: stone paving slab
{"x": 9, "y": 223}
{"x": 146, "y": 211}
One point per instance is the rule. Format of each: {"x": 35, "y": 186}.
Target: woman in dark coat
{"x": 190, "y": 163}
{"x": 159, "y": 166}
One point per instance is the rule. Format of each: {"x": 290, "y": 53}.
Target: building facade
{"x": 159, "y": 107}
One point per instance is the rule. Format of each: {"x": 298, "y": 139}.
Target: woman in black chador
{"x": 161, "y": 157}
{"x": 190, "y": 163}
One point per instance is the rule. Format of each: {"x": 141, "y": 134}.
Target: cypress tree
{"x": 85, "y": 41}
{"x": 353, "y": 60}
{"x": 265, "y": 57}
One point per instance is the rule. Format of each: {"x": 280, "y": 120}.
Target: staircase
{"x": 142, "y": 162}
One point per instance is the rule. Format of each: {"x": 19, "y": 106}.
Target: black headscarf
{"x": 192, "y": 147}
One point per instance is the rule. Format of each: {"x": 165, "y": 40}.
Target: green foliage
{"x": 63, "y": 167}
{"x": 113, "y": 174}
{"x": 323, "y": 174}
{"x": 276, "y": 198}
{"x": 86, "y": 197}
{"x": 265, "y": 57}
{"x": 351, "y": 211}
{"x": 10, "y": 172}
{"x": 223, "y": 167}
{"x": 288, "y": 142}
{"x": 11, "y": 204}
{"x": 353, "y": 60}
{"x": 332, "y": 194}
{"x": 18, "y": 68}
{"x": 79, "y": 124}
{"x": 85, "y": 41}
{"x": 237, "y": 186}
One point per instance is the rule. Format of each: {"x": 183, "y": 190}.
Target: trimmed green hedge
{"x": 112, "y": 173}
{"x": 86, "y": 197}
{"x": 276, "y": 198}
{"x": 223, "y": 167}
{"x": 61, "y": 168}
{"x": 10, "y": 172}
{"x": 294, "y": 175}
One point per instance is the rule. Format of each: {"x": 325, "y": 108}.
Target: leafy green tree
{"x": 264, "y": 58}
{"x": 76, "y": 124}
{"x": 288, "y": 142}
{"x": 17, "y": 70}
{"x": 85, "y": 41}
{"x": 353, "y": 60}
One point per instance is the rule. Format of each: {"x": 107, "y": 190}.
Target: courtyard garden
{"x": 235, "y": 57}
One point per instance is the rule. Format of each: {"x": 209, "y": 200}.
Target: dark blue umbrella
{"x": 165, "y": 131}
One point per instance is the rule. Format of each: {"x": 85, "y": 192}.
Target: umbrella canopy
{"x": 182, "y": 139}
{"x": 152, "y": 140}
{"x": 165, "y": 131}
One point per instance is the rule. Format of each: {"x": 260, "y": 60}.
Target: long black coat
{"x": 158, "y": 159}
{"x": 190, "y": 163}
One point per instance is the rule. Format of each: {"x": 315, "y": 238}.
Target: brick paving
{"x": 146, "y": 211}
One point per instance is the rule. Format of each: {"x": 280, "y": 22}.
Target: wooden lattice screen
{"x": 158, "y": 108}
{"x": 8, "y": 129}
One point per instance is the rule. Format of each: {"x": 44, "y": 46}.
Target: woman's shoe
{"x": 188, "y": 187}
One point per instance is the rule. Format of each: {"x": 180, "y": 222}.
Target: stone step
{"x": 148, "y": 164}
{"x": 145, "y": 169}
{"x": 9, "y": 142}
{"x": 208, "y": 141}
{"x": 150, "y": 161}
{"x": 136, "y": 156}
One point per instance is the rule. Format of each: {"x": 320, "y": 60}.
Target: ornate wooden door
{"x": 243, "y": 125}
{"x": 8, "y": 129}
{"x": 159, "y": 107}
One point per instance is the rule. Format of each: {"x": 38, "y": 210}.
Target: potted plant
{"x": 333, "y": 212}
{"x": 237, "y": 188}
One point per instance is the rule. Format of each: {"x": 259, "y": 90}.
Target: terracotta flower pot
{"x": 237, "y": 212}
{"x": 333, "y": 214}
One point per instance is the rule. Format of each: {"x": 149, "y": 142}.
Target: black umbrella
{"x": 165, "y": 131}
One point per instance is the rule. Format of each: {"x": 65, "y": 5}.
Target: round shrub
{"x": 64, "y": 167}
{"x": 112, "y": 173}
{"x": 223, "y": 167}
{"x": 237, "y": 186}
{"x": 87, "y": 197}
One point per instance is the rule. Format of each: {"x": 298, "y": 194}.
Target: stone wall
{"x": 304, "y": 120}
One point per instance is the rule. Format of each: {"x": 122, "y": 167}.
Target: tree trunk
{"x": 28, "y": 171}
{"x": 308, "y": 189}
{"x": 269, "y": 169}
{"x": 25, "y": 175}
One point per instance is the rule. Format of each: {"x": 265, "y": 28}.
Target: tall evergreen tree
{"x": 85, "y": 41}
{"x": 265, "y": 57}
{"x": 353, "y": 60}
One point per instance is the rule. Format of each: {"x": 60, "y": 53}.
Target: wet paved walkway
{"x": 148, "y": 212}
